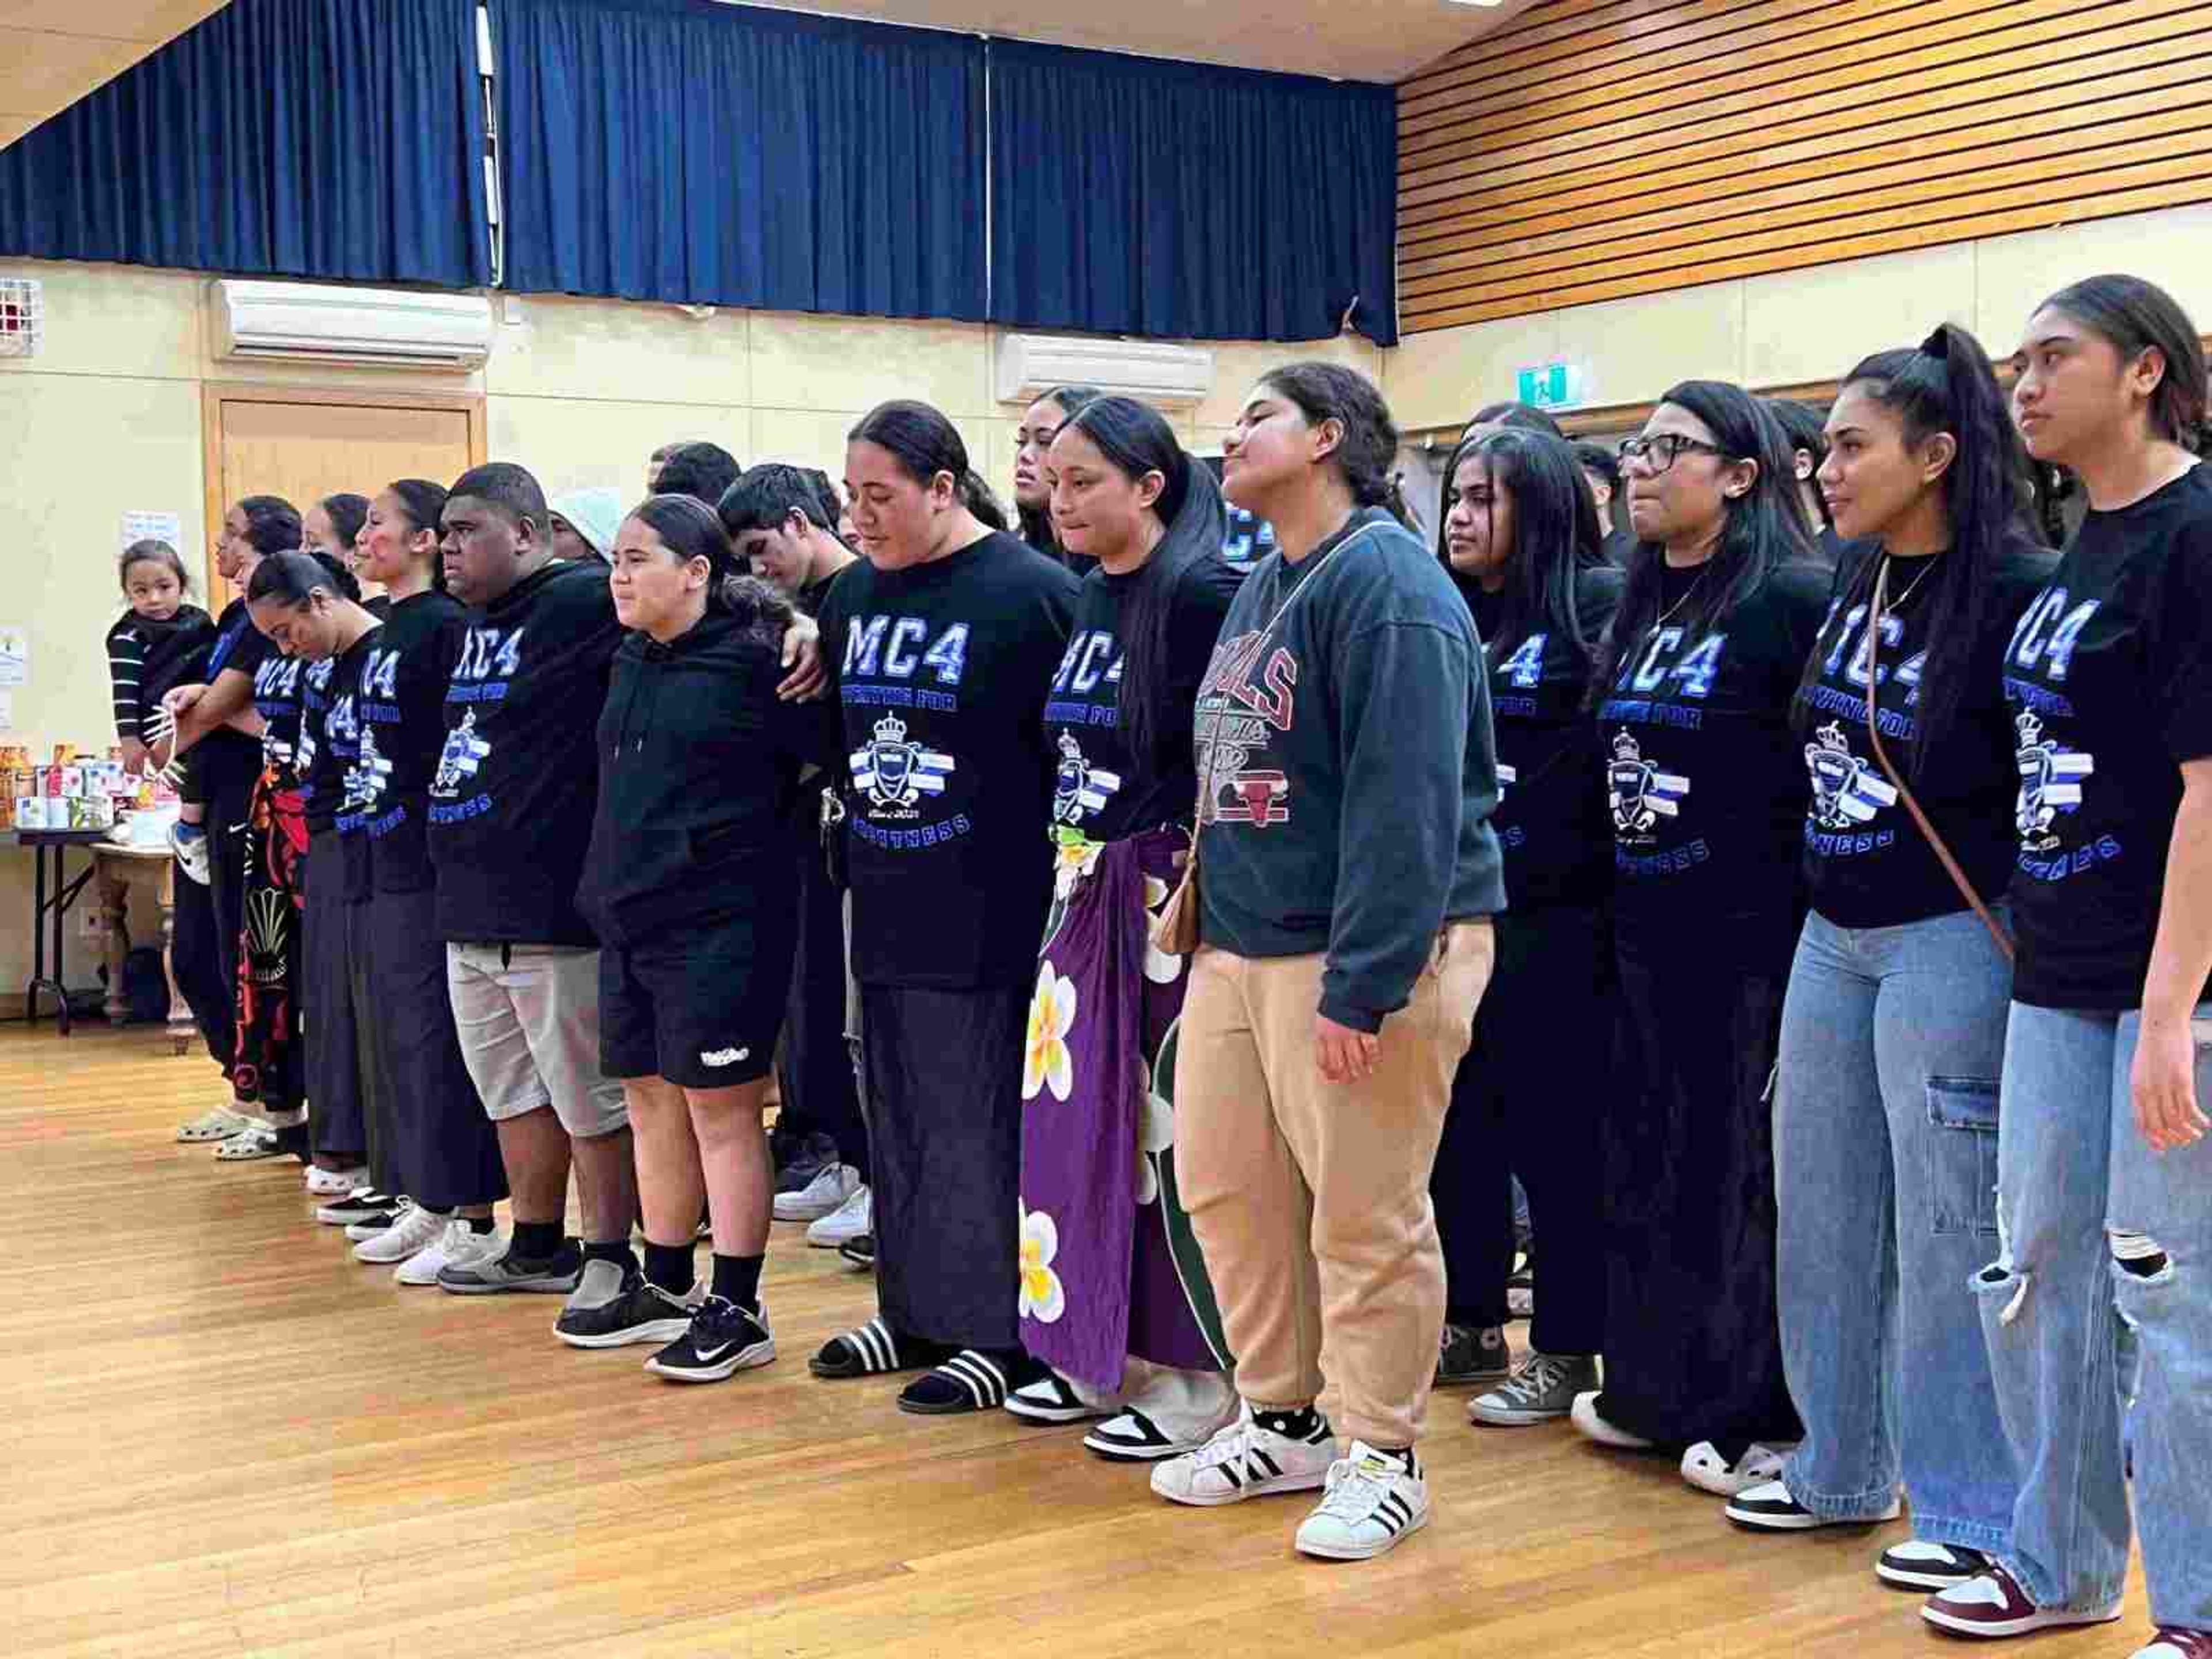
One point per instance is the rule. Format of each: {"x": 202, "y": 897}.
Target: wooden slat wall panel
{"x": 1594, "y": 150}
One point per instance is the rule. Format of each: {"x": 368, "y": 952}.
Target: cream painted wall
{"x": 1796, "y": 327}
{"x": 108, "y": 417}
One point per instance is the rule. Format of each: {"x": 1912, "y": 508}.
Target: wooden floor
{"x": 223, "y": 1437}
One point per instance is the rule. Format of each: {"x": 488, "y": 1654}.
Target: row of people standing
{"x": 1955, "y": 1264}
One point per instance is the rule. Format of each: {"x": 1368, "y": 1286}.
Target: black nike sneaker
{"x": 724, "y": 1339}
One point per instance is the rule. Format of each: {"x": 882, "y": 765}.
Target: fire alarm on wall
{"x": 22, "y": 318}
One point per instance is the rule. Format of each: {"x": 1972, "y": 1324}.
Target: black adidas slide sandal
{"x": 970, "y": 1381}
{"x": 870, "y": 1350}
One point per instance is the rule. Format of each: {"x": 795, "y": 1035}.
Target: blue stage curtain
{"x": 688, "y": 151}
{"x": 1131, "y": 195}
{"x": 332, "y": 138}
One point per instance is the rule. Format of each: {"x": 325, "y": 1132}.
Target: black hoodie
{"x": 698, "y": 763}
{"x": 510, "y": 801}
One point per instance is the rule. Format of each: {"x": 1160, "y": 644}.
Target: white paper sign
{"x": 7, "y": 711}
{"x": 14, "y": 655}
{"x": 140, "y": 525}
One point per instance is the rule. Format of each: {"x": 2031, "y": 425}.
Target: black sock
{"x": 616, "y": 1250}
{"x": 480, "y": 1223}
{"x": 1296, "y": 1423}
{"x": 669, "y": 1266}
{"x": 534, "y": 1241}
{"x": 1402, "y": 1456}
{"x": 737, "y": 1279}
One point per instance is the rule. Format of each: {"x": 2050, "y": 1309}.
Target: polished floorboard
{"x": 220, "y": 1436}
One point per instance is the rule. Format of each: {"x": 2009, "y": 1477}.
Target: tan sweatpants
{"x": 1310, "y": 1199}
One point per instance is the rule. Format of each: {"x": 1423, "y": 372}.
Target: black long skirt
{"x": 944, "y": 1099}
{"x": 1692, "y": 1340}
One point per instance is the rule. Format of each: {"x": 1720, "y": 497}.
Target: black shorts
{"x": 700, "y": 1007}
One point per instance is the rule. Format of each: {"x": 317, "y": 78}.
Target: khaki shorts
{"x": 528, "y": 1017}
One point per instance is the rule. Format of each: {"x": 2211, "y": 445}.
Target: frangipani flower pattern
{"x": 1155, "y": 1138}
{"x": 1045, "y": 1062}
{"x": 1161, "y": 967}
{"x": 1043, "y": 1297}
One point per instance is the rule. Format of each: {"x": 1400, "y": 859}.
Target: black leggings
{"x": 1528, "y": 1101}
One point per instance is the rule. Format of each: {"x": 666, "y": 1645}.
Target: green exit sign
{"x": 1549, "y": 386}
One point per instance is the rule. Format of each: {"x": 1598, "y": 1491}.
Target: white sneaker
{"x": 459, "y": 1246}
{"x": 1704, "y": 1467}
{"x": 416, "y": 1230}
{"x": 827, "y": 1192}
{"x": 334, "y": 1183}
{"x": 1586, "y": 1418}
{"x": 1053, "y": 1398}
{"x": 1374, "y": 1503}
{"x": 854, "y": 1219}
{"x": 1245, "y": 1460}
{"x": 218, "y": 1123}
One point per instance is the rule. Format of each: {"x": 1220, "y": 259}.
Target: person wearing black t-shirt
{"x": 346, "y": 1104}
{"x": 2098, "y": 1307}
{"x": 1706, "y": 790}
{"x": 214, "y": 719}
{"x": 445, "y": 1152}
{"x": 779, "y": 520}
{"x": 1523, "y": 544}
{"x": 272, "y": 1068}
{"x": 1121, "y": 1310}
{"x": 941, "y": 646}
{"x": 1040, "y": 425}
{"x": 1893, "y": 1030}
{"x": 510, "y": 809}
{"x": 687, "y": 884}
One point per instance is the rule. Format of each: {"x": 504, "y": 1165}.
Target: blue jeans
{"x": 2103, "y": 1240}
{"x": 1884, "y": 1166}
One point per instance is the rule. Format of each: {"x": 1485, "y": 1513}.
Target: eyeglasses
{"x": 1660, "y": 452}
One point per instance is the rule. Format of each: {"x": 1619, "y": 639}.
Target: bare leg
{"x": 606, "y": 1187}
{"x": 669, "y": 1187}
{"x": 740, "y": 1177}
{"x": 534, "y": 1147}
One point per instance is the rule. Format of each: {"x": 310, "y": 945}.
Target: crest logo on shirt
{"x": 1845, "y": 794}
{"x": 366, "y": 779}
{"x": 1078, "y": 788}
{"x": 891, "y": 771}
{"x": 2049, "y": 783}
{"x": 463, "y": 753}
{"x": 1639, "y": 792}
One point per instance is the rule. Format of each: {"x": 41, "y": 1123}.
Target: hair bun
{"x": 1938, "y": 343}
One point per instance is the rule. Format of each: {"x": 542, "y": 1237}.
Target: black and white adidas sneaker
{"x": 1249, "y": 1459}
{"x": 1377, "y": 1499}
{"x": 724, "y": 1339}
{"x": 972, "y": 1380}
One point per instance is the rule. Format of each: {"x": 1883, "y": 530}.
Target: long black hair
{"x": 692, "y": 530}
{"x": 292, "y": 578}
{"x": 1036, "y": 523}
{"x": 1764, "y": 528}
{"x": 1366, "y": 457}
{"x": 1945, "y": 384}
{"x": 423, "y": 501}
{"x": 2134, "y": 316}
{"x": 924, "y": 443}
{"x": 1135, "y": 440}
{"x": 1555, "y": 535}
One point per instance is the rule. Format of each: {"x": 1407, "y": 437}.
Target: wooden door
{"x": 305, "y": 444}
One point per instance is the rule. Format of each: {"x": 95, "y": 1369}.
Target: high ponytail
{"x": 1946, "y": 384}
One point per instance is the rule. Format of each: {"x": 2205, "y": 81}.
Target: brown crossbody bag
{"x": 1897, "y": 781}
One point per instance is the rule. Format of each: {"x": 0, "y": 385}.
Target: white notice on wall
{"x": 140, "y": 525}
{"x": 7, "y": 711}
{"x": 14, "y": 655}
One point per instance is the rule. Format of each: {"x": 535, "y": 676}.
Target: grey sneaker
{"x": 554, "y": 1275}
{"x": 1473, "y": 1354}
{"x": 1543, "y": 1387}
{"x": 611, "y": 1308}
